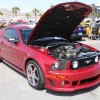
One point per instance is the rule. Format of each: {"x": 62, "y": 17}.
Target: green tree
{"x": 27, "y": 15}
{"x": 35, "y": 11}
{"x": 1, "y": 13}
{"x": 15, "y": 10}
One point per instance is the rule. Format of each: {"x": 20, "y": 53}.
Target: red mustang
{"x": 46, "y": 55}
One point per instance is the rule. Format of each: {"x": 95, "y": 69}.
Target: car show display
{"x": 47, "y": 56}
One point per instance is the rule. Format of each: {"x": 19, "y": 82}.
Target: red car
{"x": 46, "y": 55}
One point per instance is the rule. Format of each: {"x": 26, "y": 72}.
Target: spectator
{"x": 92, "y": 22}
{"x": 92, "y": 25}
{"x": 6, "y": 24}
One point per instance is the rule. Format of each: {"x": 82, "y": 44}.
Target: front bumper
{"x": 76, "y": 35}
{"x": 71, "y": 80}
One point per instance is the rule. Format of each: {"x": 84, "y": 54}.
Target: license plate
{"x": 80, "y": 34}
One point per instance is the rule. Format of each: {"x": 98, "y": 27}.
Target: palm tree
{"x": 27, "y": 15}
{"x": 1, "y": 13}
{"x": 35, "y": 11}
{"x": 14, "y": 10}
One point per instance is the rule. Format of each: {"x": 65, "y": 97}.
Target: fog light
{"x": 64, "y": 83}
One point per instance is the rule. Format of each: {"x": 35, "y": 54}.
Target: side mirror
{"x": 14, "y": 40}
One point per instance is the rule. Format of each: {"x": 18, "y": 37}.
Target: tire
{"x": 79, "y": 38}
{"x": 34, "y": 75}
{"x": 0, "y": 60}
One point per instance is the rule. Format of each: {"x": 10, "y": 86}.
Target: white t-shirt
{"x": 92, "y": 23}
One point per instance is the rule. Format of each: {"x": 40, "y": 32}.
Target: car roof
{"x": 19, "y": 26}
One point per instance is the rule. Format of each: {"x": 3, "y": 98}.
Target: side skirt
{"x": 13, "y": 66}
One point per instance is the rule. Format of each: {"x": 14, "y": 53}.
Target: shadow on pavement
{"x": 73, "y": 93}
{"x": 83, "y": 39}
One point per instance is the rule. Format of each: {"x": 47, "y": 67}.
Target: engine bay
{"x": 60, "y": 48}
{"x": 68, "y": 51}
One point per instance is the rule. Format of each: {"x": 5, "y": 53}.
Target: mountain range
{"x": 8, "y": 12}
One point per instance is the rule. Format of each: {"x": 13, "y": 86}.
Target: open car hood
{"x": 60, "y": 21}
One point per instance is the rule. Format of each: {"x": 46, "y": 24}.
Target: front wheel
{"x": 34, "y": 75}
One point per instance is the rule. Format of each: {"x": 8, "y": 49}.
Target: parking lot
{"x": 14, "y": 86}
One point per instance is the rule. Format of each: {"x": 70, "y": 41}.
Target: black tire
{"x": 79, "y": 38}
{"x": 0, "y": 59}
{"x": 38, "y": 73}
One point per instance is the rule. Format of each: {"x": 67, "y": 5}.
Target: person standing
{"x": 92, "y": 25}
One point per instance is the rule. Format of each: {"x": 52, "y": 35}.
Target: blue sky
{"x": 29, "y": 5}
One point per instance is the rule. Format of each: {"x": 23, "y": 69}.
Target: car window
{"x": 25, "y": 33}
{"x": 97, "y": 21}
{"x": 10, "y": 33}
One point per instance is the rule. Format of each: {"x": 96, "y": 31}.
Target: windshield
{"x": 25, "y": 33}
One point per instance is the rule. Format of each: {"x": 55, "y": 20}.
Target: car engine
{"x": 66, "y": 51}
{"x": 63, "y": 49}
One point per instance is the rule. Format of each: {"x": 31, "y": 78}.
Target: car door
{"x": 10, "y": 49}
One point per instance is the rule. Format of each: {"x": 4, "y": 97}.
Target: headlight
{"x": 96, "y": 59}
{"x": 75, "y": 64}
{"x": 58, "y": 65}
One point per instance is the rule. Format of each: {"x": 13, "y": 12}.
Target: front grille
{"x": 84, "y": 62}
{"x": 85, "y": 81}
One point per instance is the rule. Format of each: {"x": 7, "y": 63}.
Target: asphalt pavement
{"x": 14, "y": 85}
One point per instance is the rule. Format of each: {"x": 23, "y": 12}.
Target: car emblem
{"x": 79, "y": 28}
{"x": 88, "y": 61}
